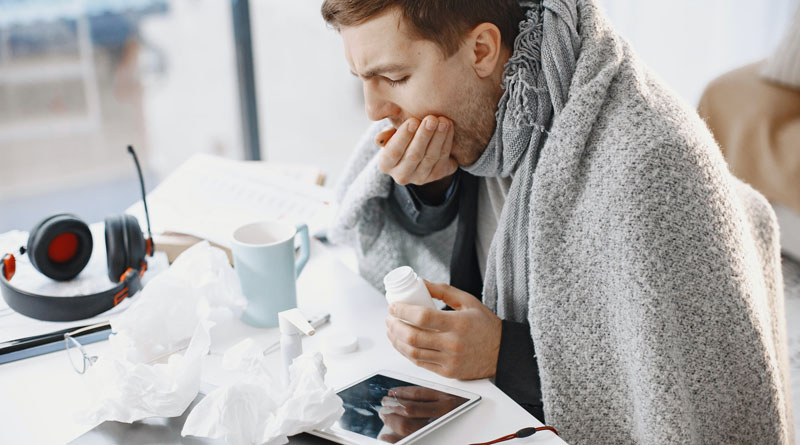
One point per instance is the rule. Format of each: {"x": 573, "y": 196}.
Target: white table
{"x": 37, "y": 395}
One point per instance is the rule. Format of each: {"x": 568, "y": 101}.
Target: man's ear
{"x": 486, "y": 43}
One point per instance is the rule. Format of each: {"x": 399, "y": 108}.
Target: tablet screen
{"x": 389, "y": 409}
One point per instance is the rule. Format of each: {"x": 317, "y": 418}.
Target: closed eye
{"x": 396, "y": 82}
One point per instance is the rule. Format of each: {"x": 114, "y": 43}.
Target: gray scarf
{"x": 650, "y": 277}
{"x": 536, "y": 83}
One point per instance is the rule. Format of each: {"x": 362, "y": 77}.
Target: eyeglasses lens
{"x": 75, "y": 354}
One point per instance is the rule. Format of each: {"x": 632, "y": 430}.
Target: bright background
{"x": 79, "y": 80}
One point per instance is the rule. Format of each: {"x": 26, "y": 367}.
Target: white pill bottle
{"x": 404, "y": 286}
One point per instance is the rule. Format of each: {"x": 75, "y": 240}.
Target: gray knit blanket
{"x": 649, "y": 275}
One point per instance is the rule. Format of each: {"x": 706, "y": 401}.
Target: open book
{"x": 209, "y": 197}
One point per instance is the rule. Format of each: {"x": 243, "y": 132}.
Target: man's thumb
{"x": 453, "y": 297}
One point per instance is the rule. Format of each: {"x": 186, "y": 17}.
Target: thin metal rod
{"x": 243, "y": 43}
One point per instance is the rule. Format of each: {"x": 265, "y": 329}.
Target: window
{"x": 80, "y": 80}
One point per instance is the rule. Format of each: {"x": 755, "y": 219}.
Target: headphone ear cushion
{"x": 60, "y": 246}
{"x": 125, "y": 245}
{"x": 137, "y": 247}
{"x": 116, "y": 255}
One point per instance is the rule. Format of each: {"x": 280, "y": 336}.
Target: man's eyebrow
{"x": 381, "y": 69}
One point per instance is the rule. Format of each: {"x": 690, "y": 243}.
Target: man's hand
{"x": 461, "y": 344}
{"x": 418, "y": 152}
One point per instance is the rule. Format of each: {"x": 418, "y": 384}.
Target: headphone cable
{"x": 525, "y": 432}
{"x": 144, "y": 199}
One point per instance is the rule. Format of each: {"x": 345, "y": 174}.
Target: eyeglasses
{"x": 77, "y": 356}
{"x": 81, "y": 361}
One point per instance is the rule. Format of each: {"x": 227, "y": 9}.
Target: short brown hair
{"x": 443, "y": 22}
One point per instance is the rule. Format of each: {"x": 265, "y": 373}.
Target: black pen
{"x": 52, "y": 341}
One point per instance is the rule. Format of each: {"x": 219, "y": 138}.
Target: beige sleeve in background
{"x": 757, "y": 125}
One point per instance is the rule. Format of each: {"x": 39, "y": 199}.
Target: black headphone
{"x": 60, "y": 247}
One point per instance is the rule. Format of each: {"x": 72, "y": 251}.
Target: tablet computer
{"x": 389, "y": 407}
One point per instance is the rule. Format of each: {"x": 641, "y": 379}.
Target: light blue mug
{"x": 264, "y": 260}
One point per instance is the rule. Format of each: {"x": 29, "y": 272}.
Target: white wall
{"x": 310, "y": 106}
{"x": 690, "y": 42}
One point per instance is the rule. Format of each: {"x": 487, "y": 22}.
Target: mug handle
{"x": 305, "y": 249}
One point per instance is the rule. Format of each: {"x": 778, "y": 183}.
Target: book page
{"x": 210, "y": 197}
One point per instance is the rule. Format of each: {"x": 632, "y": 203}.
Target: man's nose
{"x": 378, "y": 107}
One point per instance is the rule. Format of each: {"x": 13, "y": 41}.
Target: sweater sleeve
{"x": 516, "y": 366}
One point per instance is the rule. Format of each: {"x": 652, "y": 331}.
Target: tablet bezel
{"x": 348, "y": 437}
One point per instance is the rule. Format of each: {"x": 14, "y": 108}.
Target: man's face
{"x": 408, "y": 77}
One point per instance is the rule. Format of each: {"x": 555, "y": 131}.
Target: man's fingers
{"x": 416, "y": 355}
{"x": 395, "y": 147}
{"x": 422, "y": 317}
{"x": 448, "y": 142}
{"x": 433, "y": 153}
{"x": 405, "y": 349}
{"x": 414, "y": 336}
{"x": 383, "y": 137}
{"x": 417, "y": 152}
{"x": 403, "y": 172}
{"x": 453, "y": 297}
{"x": 446, "y": 165}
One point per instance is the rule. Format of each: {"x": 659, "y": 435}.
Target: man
{"x": 606, "y": 269}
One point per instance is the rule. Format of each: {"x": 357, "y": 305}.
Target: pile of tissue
{"x": 146, "y": 373}
{"x": 257, "y": 408}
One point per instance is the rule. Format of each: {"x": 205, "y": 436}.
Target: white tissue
{"x": 178, "y": 308}
{"x": 199, "y": 285}
{"x": 257, "y": 409}
{"x": 126, "y": 391}
{"x": 175, "y": 310}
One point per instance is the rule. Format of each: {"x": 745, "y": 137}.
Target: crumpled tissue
{"x": 199, "y": 285}
{"x": 127, "y": 391}
{"x": 258, "y": 409}
{"x": 174, "y": 312}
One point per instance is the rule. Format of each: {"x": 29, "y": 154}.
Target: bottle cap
{"x": 341, "y": 343}
{"x": 399, "y": 277}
